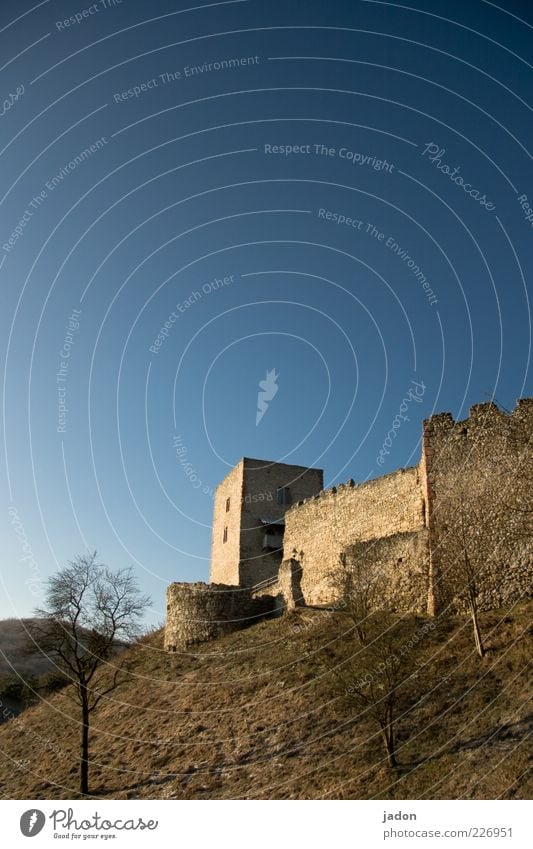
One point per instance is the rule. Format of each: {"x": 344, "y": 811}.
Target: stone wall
{"x": 271, "y": 591}
{"x": 480, "y": 487}
{"x": 318, "y": 531}
{"x": 264, "y": 479}
{"x": 399, "y": 567}
{"x": 267, "y": 588}
{"x": 225, "y": 554}
{"x": 251, "y": 488}
{"x": 199, "y": 612}
{"x": 469, "y": 504}
{"x": 290, "y": 584}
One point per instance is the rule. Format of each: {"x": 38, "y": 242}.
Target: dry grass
{"x": 260, "y": 714}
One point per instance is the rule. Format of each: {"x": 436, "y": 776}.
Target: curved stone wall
{"x": 199, "y": 612}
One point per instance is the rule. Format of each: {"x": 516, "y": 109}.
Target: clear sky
{"x": 195, "y": 195}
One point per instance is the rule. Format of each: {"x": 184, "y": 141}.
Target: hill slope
{"x": 260, "y": 714}
{"x": 14, "y": 657}
{"x": 20, "y": 666}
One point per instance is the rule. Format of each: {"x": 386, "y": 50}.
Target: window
{"x": 283, "y": 495}
{"x": 273, "y": 538}
{"x": 227, "y": 505}
{"x": 225, "y": 535}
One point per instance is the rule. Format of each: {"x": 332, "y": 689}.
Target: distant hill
{"x": 259, "y": 714}
{"x": 13, "y": 638}
{"x": 21, "y": 672}
{"x": 25, "y": 675}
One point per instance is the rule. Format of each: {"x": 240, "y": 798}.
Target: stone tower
{"x": 248, "y": 521}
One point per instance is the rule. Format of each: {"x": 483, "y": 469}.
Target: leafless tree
{"x": 374, "y": 677}
{"x": 361, "y": 590}
{"x": 89, "y": 611}
{"x": 477, "y": 527}
{"x": 468, "y": 556}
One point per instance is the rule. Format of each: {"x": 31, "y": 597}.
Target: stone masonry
{"x": 479, "y": 486}
{"x": 468, "y": 504}
{"x": 253, "y": 494}
{"x": 200, "y": 612}
{"x": 318, "y": 531}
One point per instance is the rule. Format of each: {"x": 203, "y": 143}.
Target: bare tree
{"x": 374, "y": 677}
{"x": 361, "y": 590}
{"x": 89, "y": 611}
{"x": 468, "y": 555}
{"x": 477, "y": 530}
{"x": 375, "y": 673}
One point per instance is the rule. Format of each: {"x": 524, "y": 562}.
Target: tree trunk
{"x": 388, "y": 737}
{"x": 360, "y": 634}
{"x": 475, "y": 625}
{"x": 84, "y": 763}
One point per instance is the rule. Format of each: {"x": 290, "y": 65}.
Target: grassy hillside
{"x": 262, "y": 714}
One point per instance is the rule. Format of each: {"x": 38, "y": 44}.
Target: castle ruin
{"x": 281, "y": 541}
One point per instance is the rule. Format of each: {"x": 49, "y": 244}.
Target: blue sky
{"x": 183, "y": 232}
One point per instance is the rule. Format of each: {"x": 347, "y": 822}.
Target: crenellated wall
{"x": 318, "y": 531}
{"x": 480, "y": 484}
{"x": 471, "y": 492}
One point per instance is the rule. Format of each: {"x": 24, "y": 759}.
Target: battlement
{"x": 350, "y": 485}
{"x": 524, "y": 404}
{"x": 484, "y": 414}
{"x": 281, "y": 540}
{"x": 439, "y": 421}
